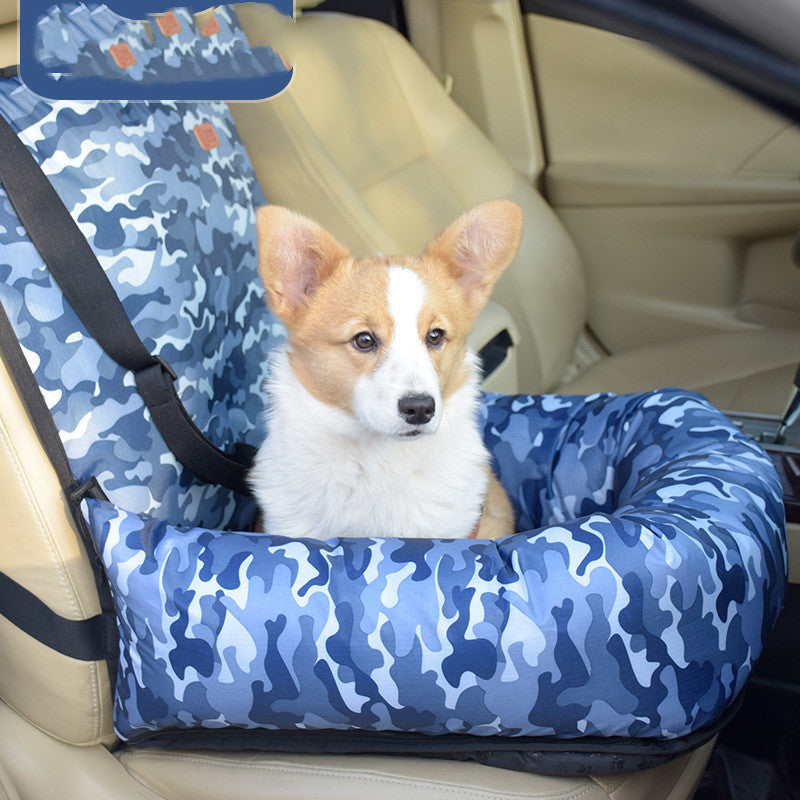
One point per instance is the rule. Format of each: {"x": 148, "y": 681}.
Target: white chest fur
{"x": 320, "y": 474}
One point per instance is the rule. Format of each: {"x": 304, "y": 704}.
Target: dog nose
{"x": 416, "y": 409}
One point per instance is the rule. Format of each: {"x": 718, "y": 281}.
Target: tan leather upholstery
{"x": 9, "y": 45}
{"x": 9, "y": 11}
{"x": 742, "y": 370}
{"x": 40, "y": 550}
{"x": 461, "y": 40}
{"x": 682, "y": 197}
{"x": 43, "y": 768}
{"x": 7, "y": 790}
{"x": 367, "y": 141}
{"x": 203, "y": 776}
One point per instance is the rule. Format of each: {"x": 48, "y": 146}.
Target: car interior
{"x": 660, "y": 212}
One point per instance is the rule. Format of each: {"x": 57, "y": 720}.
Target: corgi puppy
{"x": 372, "y": 406}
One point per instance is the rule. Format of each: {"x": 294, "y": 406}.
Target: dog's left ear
{"x": 479, "y": 245}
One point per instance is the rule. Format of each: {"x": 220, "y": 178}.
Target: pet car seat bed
{"x": 618, "y": 626}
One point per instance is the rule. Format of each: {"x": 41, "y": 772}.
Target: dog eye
{"x": 435, "y": 337}
{"x": 364, "y": 341}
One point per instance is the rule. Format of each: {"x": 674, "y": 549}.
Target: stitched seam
{"x": 151, "y": 794}
{"x": 466, "y": 791}
{"x": 609, "y": 793}
{"x": 95, "y": 692}
{"x": 760, "y": 148}
{"x": 621, "y": 786}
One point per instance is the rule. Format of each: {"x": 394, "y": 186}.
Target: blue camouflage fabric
{"x": 78, "y": 40}
{"x": 649, "y": 567}
{"x": 66, "y": 36}
{"x": 173, "y": 226}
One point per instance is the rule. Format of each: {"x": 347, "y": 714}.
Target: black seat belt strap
{"x": 92, "y": 639}
{"x": 75, "y": 268}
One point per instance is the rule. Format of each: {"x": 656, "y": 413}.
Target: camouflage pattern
{"x": 173, "y": 226}
{"x": 650, "y": 565}
{"x": 79, "y": 41}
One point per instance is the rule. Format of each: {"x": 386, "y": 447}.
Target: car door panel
{"x": 681, "y": 194}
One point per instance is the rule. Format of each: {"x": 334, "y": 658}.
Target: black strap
{"x": 494, "y": 352}
{"x": 77, "y": 271}
{"x": 88, "y": 639}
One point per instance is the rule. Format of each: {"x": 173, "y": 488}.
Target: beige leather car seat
{"x": 369, "y": 143}
{"x": 56, "y": 736}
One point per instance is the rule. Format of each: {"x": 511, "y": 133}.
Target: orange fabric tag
{"x": 122, "y": 55}
{"x": 168, "y": 23}
{"x": 207, "y": 136}
{"x": 211, "y": 27}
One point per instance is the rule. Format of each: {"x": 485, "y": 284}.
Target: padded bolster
{"x": 650, "y": 567}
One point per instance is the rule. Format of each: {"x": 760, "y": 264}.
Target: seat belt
{"x": 75, "y": 268}
{"x": 91, "y": 639}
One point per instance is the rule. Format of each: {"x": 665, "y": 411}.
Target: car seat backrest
{"x": 165, "y": 193}
{"x": 370, "y": 144}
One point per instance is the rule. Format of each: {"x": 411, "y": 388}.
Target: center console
{"x": 785, "y": 454}
{"x": 772, "y": 701}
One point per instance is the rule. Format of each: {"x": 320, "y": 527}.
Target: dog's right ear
{"x": 295, "y": 254}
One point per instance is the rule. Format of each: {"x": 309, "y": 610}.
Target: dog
{"x": 372, "y": 405}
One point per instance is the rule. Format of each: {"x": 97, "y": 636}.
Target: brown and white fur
{"x": 372, "y": 405}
